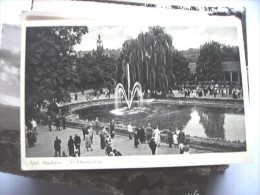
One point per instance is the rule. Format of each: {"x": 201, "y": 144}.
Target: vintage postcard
{"x": 133, "y": 91}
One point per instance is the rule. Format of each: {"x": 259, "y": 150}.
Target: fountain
{"x": 120, "y": 92}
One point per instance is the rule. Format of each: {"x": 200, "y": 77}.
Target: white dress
{"x": 157, "y": 136}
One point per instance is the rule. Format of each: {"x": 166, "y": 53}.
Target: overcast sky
{"x": 184, "y": 37}
{"x": 10, "y": 47}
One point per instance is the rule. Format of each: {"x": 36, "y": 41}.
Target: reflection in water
{"x": 200, "y": 121}
{"x": 212, "y": 120}
{"x": 235, "y": 127}
{"x": 194, "y": 128}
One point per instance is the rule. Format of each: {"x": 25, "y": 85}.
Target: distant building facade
{"x": 231, "y": 71}
{"x": 113, "y": 53}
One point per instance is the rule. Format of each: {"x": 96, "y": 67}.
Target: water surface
{"x": 201, "y": 121}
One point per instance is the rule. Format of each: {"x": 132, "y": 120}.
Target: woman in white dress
{"x": 157, "y": 136}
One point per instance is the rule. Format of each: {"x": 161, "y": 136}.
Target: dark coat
{"x": 152, "y": 144}
{"x": 77, "y": 140}
{"x": 102, "y": 141}
{"x": 181, "y": 137}
{"x": 57, "y": 145}
{"x": 71, "y": 146}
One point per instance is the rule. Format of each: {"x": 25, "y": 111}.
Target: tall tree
{"x": 230, "y": 53}
{"x": 96, "y": 70}
{"x": 153, "y": 60}
{"x": 209, "y": 62}
{"x": 49, "y": 63}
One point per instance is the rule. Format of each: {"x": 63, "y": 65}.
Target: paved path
{"x": 45, "y": 141}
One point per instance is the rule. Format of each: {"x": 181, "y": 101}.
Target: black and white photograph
{"x": 129, "y": 97}
{"x": 133, "y": 94}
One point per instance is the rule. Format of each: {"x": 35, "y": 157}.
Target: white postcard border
{"x": 105, "y": 162}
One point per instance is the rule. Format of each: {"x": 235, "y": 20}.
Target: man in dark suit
{"x": 57, "y": 146}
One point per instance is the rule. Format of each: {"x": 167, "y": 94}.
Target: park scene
{"x": 106, "y": 91}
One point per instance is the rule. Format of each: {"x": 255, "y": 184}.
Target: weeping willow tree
{"x": 153, "y": 61}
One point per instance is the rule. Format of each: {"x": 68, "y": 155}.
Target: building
{"x": 111, "y": 53}
{"x": 231, "y": 71}
{"x": 99, "y": 44}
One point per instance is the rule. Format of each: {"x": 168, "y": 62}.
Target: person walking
{"x": 97, "y": 124}
{"x": 157, "y": 136}
{"x": 142, "y": 135}
{"x": 57, "y": 147}
{"x": 152, "y": 145}
{"x": 34, "y": 126}
{"x": 130, "y": 131}
{"x": 57, "y": 123}
{"x": 71, "y": 146}
{"x": 149, "y": 132}
{"x": 102, "y": 136}
{"x": 112, "y": 128}
{"x": 64, "y": 121}
{"x": 85, "y": 129}
{"x": 136, "y": 137}
{"x": 175, "y": 139}
{"x": 108, "y": 149}
{"x": 77, "y": 142}
{"x": 88, "y": 141}
{"x": 49, "y": 121}
{"x": 181, "y": 136}
{"x": 30, "y": 137}
{"x": 169, "y": 136}
{"x": 91, "y": 132}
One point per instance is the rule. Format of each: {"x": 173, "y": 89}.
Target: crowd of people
{"x": 138, "y": 133}
{"x": 211, "y": 90}
{"x": 31, "y": 127}
{"x": 152, "y": 137}
{"x": 88, "y": 129}
{"x": 31, "y": 132}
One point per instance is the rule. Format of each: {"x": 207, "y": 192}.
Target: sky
{"x": 184, "y": 37}
{"x": 10, "y": 47}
